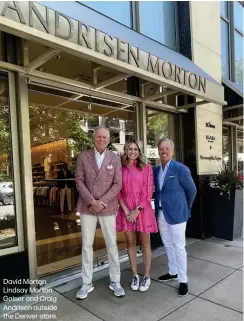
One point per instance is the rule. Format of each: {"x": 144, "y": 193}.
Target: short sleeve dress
{"x": 137, "y": 189}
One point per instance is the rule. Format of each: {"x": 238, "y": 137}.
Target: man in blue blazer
{"x": 174, "y": 194}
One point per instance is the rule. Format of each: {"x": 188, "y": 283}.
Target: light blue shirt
{"x": 162, "y": 175}
{"x": 99, "y": 158}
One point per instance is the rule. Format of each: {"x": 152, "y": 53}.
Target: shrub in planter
{"x": 227, "y": 204}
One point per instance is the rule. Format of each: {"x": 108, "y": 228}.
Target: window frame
{"x": 16, "y": 166}
{"x": 138, "y": 23}
{"x": 231, "y": 37}
{"x": 135, "y": 21}
{"x": 132, "y": 14}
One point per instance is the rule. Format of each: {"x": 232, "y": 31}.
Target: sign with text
{"x": 57, "y": 24}
{"x": 209, "y": 140}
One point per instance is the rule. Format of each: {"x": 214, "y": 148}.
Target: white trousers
{"x": 88, "y": 229}
{"x": 174, "y": 240}
{"x": 64, "y": 191}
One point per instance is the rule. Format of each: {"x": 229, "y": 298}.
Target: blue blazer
{"x": 177, "y": 193}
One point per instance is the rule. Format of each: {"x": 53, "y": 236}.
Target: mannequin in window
{"x": 47, "y": 165}
{"x": 65, "y": 187}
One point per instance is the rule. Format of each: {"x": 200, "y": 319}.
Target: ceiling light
{"x": 58, "y": 57}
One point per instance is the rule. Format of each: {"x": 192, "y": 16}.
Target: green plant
{"x": 4, "y": 177}
{"x": 226, "y": 181}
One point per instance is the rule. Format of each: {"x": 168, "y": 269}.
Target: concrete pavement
{"x": 215, "y": 271}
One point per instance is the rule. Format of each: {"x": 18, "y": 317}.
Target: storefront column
{"x": 199, "y": 225}
{"x": 143, "y": 126}
{"x": 26, "y": 174}
{"x": 133, "y": 89}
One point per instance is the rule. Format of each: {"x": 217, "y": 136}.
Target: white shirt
{"x": 99, "y": 158}
{"x": 162, "y": 175}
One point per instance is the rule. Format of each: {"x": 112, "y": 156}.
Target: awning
{"x": 77, "y": 30}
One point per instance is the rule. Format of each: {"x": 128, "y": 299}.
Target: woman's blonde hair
{"x": 141, "y": 162}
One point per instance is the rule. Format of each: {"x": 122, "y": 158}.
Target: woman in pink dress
{"x": 135, "y": 212}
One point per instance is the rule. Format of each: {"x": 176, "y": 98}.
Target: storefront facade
{"x": 65, "y": 69}
{"x": 232, "y": 35}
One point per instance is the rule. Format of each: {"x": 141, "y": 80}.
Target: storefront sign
{"x": 209, "y": 140}
{"x": 208, "y": 124}
{"x": 57, "y": 24}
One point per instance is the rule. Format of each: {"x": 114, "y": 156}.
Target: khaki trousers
{"x": 64, "y": 191}
{"x": 88, "y": 229}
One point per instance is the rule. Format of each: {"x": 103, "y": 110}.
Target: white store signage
{"x": 209, "y": 141}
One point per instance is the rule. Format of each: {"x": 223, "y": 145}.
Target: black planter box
{"x": 13, "y": 269}
{"x": 227, "y": 214}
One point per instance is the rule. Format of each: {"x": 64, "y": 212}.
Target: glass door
{"x": 160, "y": 124}
{"x": 61, "y": 125}
{"x": 11, "y": 227}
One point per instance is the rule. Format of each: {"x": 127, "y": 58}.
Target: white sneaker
{"x": 145, "y": 285}
{"x": 117, "y": 289}
{"x": 135, "y": 283}
{"x": 84, "y": 291}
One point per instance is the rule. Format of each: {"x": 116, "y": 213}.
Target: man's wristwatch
{"x": 139, "y": 208}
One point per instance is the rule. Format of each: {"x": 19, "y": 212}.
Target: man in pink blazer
{"x": 98, "y": 181}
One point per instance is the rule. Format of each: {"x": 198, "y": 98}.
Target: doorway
{"x": 61, "y": 125}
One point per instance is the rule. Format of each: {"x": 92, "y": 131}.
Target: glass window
{"x": 157, "y": 21}
{"x": 1, "y": 46}
{"x": 117, "y": 10}
{"x": 226, "y": 146}
{"x": 57, "y": 136}
{"x": 240, "y": 152}
{"x": 224, "y": 8}
{"x": 160, "y": 125}
{"x": 8, "y": 234}
{"x": 225, "y": 49}
{"x": 238, "y": 15}
{"x": 238, "y": 58}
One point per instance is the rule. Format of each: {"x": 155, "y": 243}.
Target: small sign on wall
{"x": 208, "y": 140}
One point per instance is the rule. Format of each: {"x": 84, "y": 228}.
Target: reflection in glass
{"x": 157, "y": 21}
{"x": 238, "y": 58}
{"x": 225, "y": 49}
{"x": 117, "y": 10}
{"x": 160, "y": 125}
{"x": 226, "y": 147}
{"x": 238, "y": 15}
{"x": 57, "y": 137}
{"x": 240, "y": 152}
{"x": 8, "y": 237}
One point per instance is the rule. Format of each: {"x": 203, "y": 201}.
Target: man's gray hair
{"x": 100, "y": 127}
{"x": 166, "y": 140}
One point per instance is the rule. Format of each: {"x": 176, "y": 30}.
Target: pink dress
{"x": 137, "y": 190}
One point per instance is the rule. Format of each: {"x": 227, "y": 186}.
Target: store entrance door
{"x": 61, "y": 125}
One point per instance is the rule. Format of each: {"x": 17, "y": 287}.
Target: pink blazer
{"x": 103, "y": 184}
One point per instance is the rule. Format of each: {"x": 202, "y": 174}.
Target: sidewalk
{"x": 215, "y": 271}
